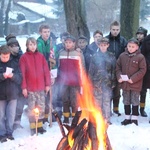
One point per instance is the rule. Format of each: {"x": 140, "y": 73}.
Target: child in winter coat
{"x": 69, "y": 76}
{"x": 45, "y": 46}
{"x": 10, "y": 79}
{"x": 16, "y": 53}
{"x": 36, "y": 82}
{"x": 130, "y": 69}
{"x": 102, "y": 74}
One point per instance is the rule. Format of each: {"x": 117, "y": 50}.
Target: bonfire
{"x": 88, "y": 130}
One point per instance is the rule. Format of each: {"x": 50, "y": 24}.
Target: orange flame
{"x": 36, "y": 111}
{"x": 91, "y": 112}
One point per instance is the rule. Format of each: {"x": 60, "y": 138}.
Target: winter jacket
{"x": 35, "y": 71}
{"x": 134, "y": 66}
{"x": 44, "y": 47}
{"x": 102, "y": 69}
{"x": 69, "y": 67}
{"x": 145, "y": 50}
{"x": 116, "y": 44}
{"x": 87, "y": 53}
{"x": 93, "y": 47}
{"x": 9, "y": 87}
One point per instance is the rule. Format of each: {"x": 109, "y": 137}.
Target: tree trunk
{"x": 76, "y": 18}
{"x": 129, "y": 17}
{"x": 1, "y": 18}
{"x": 6, "y": 18}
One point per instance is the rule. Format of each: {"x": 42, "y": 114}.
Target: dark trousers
{"x": 143, "y": 97}
{"x": 116, "y": 97}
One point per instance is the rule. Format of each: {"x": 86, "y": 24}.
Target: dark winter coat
{"x": 9, "y": 87}
{"x": 134, "y": 66}
{"x": 35, "y": 71}
{"x": 93, "y": 47}
{"x": 88, "y": 53}
{"x": 102, "y": 69}
{"x": 116, "y": 44}
{"x": 145, "y": 50}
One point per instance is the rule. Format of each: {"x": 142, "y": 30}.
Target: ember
{"x": 88, "y": 130}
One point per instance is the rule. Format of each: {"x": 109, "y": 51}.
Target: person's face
{"x": 14, "y": 49}
{"x": 132, "y": 47}
{"x": 115, "y": 30}
{"x": 82, "y": 43}
{"x": 45, "y": 33}
{"x": 140, "y": 36}
{"x": 103, "y": 47}
{"x": 97, "y": 37}
{"x": 32, "y": 46}
{"x": 5, "y": 57}
{"x": 69, "y": 44}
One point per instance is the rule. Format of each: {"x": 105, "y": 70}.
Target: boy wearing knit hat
{"x": 102, "y": 74}
{"x": 141, "y": 34}
{"x": 82, "y": 43}
{"x": 16, "y": 53}
{"x": 69, "y": 76}
{"x": 130, "y": 70}
{"x": 10, "y": 76}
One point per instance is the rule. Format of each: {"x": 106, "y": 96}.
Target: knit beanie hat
{"x": 133, "y": 40}
{"x": 103, "y": 40}
{"x": 4, "y": 49}
{"x": 83, "y": 38}
{"x": 11, "y": 39}
{"x": 142, "y": 30}
{"x": 70, "y": 37}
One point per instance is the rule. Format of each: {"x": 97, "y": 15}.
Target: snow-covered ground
{"x": 129, "y": 137}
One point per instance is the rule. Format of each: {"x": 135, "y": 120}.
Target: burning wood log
{"x": 93, "y": 136}
{"x": 59, "y": 123}
{"x": 78, "y": 128}
{"x": 81, "y": 136}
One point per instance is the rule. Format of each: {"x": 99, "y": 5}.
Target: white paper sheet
{"x": 8, "y": 70}
{"x": 124, "y": 77}
{"x": 53, "y": 73}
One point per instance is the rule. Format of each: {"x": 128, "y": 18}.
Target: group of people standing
{"x": 111, "y": 63}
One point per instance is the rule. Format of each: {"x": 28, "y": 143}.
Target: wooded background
{"x": 82, "y": 17}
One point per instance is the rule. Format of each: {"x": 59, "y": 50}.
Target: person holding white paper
{"x": 132, "y": 64}
{"x": 9, "y": 81}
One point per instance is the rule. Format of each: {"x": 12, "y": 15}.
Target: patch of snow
{"x": 41, "y": 9}
{"x": 130, "y": 137}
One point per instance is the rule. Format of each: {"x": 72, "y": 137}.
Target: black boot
{"x": 135, "y": 122}
{"x": 66, "y": 120}
{"x": 41, "y": 130}
{"x": 3, "y": 139}
{"x": 127, "y": 109}
{"x": 142, "y": 112}
{"x": 117, "y": 112}
{"x": 126, "y": 122}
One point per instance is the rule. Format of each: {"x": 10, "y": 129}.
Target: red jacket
{"x": 69, "y": 70}
{"x": 35, "y": 71}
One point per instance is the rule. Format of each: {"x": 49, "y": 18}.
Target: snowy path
{"x": 129, "y": 137}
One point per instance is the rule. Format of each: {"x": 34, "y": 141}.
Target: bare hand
{"x": 5, "y": 75}
{"x": 47, "y": 88}
{"x": 52, "y": 81}
{"x": 25, "y": 92}
{"x": 130, "y": 81}
{"x": 120, "y": 80}
{"x": 10, "y": 75}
